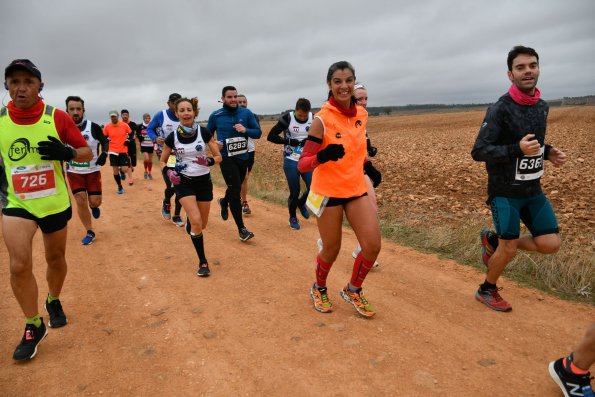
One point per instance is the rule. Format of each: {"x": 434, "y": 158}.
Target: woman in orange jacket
{"x": 336, "y": 150}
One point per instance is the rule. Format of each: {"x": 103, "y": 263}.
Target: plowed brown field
{"x": 428, "y": 173}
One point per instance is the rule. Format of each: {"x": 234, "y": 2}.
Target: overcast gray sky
{"x": 133, "y": 54}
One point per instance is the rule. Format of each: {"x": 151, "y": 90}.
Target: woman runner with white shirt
{"x": 191, "y": 175}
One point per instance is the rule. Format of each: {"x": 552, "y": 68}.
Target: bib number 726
{"x": 33, "y": 181}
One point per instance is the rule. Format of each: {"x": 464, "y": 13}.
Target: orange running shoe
{"x": 320, "y": 298}
{"x": 358, "y": 301}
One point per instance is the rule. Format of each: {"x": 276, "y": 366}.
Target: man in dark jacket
{"x": 511, "y": 142}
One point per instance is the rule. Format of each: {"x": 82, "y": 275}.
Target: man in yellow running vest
{"x": 33, "y": 138}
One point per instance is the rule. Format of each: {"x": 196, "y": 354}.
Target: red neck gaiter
{"x": 523, "y": 99}
{"x": 25, "y": 116}
{"x": 351, "y": 112}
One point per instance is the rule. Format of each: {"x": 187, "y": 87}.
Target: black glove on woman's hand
{"x": 373, "y": 173}
{"x": 54, "y": 149}
{"x": 332, "y": 152}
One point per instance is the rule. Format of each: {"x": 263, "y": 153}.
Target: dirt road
{"x": 141, "y": 323}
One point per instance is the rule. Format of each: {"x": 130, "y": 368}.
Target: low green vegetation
{"x": 569, "y": 274}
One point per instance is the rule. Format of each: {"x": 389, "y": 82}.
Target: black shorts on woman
{"x": 199, "y": 186}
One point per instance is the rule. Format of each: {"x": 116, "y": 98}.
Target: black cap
{"x": 124, "y": 111}
{"x": 23, "y": 64}
{"x": 174, "y": 97}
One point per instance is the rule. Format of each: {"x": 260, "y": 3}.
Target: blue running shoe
{"x": 294, "y": 224}
{"x": 88, "y": 238}
{"x": 122, "y": 175}
{"x": 120, "y": 190}
{"x": 304, "y": 211}
{"x": 96, "y": 212}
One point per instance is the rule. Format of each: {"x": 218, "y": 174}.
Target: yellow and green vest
{"x": 35, "y": 185}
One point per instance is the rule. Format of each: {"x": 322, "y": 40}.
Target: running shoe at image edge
{"x": 570, "y": 384}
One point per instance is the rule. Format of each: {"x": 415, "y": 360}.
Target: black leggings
{"x": 234, "y": 172}
{"x": 169, "y": 192}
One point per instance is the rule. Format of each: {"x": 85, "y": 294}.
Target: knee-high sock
{"x": 118, "y": 180}
{"x": 199, "y": 246}
{"x": 361, "y": 267}
{"x": 322, "y": 269}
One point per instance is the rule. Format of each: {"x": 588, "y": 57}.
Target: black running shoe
{"x": 32, "y": 337}
{"x": 166, "y": 210}
{"x": 177, "y": 220}
{"x": 57, "y": 317}
{"x": 203, "y": 270}
{"x": 224, "y": 211}
{"x": 570, "y": 384}
{"x": 122, "y": 175}
{"x": 245, "y": 234}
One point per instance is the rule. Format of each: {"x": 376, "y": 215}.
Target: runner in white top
{"x": 85, "y": 178}
{"x": 146, "y": 146}
{"x": 295, "y": 126}
{"x": 190, "y": 175}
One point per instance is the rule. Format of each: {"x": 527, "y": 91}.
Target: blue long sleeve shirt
{"x": 221, "y": 123}
{"x": 154, "y": 127}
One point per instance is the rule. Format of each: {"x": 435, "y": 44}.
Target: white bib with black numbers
{"x": 529, "y": 168}
{"x": 236, "y": 145}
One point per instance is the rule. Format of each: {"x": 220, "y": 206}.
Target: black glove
{"x": 373, "y": 173}
{"x": 54, "y": 149}
{"x": 371, "y": 149}
{"x": 332, "y": 152}
{"x": 292, "y": 142}
{"x": 101, "y": 159}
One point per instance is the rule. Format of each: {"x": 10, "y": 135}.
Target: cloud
{"x": 133, "y": 54}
